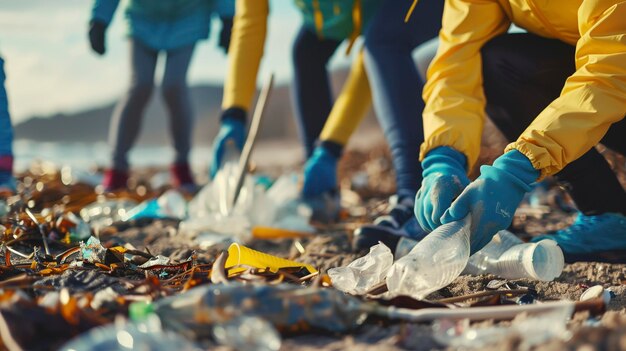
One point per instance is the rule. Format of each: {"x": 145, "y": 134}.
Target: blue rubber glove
{"x": 232, "y": 131}
{"x": 492, "y": 198}
{"x": 320, "y": 173}
{"x": 444, "y": 178}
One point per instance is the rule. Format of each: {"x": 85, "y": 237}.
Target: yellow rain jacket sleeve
{"x": 593, "y": 97}
{"x": 455, "y": 102}
{"x": 351, "y": 106}
{"x": 245, "y": 53}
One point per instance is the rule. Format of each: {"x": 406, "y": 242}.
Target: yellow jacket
{"x": 592, "y": 98}
{"x": 245, "y": 53}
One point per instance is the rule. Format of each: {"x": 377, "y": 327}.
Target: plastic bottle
{"x": 171, "y": 204}
{"x": 285, "y": 306}
{"x": 433, "y": 263}
{"x": 482, "y": 262}
{"x": 123, "y": 335}
{"x": 508, "y": 257}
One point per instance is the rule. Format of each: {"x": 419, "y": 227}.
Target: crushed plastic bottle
{"x": 123, "y": 335}
{"x": 363, "y": 273}
{"x": 508, "y": 257}
{"x": 248, "y": 333}
{"x": 433, "y": 263}
{"x": 171, "y": 204}
{"x": 285, "y": 306}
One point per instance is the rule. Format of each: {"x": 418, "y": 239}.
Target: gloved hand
{"x": 492, "y": 199}
{"x": 225, "y": 33}
{"x": 97, "y": 34}
{"x": 232, "y": 131}
{"x": 444, "y": 178}
{"x": 320, "y": 173}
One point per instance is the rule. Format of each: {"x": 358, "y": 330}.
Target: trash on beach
{"x": 433, "y": 263}
{"x": 508, "y": 257}
{"x": 287, "y": 307}
{"x": 171, "y": 204}
{"x": 595, "y": 292}
{"x": 531, "y": 330}
{"x": 247, "y": 333}
{"x": 240, "y": 258}
{"x": 92, "y": 250}
{"x": 364, "y": 273}
{"x": 125, "y": 335}
{"x": 211, "y": 220}
{"x": 103, "y": 213}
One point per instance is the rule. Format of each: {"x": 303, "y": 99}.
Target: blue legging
{"x": 311, "y": 85}
{"x": 395, "y": 83}
{"x": 6, "y": 131}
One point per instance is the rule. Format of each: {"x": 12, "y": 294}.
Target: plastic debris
{"x": 248, "y": 333}
{"x": 92, "y": 250}
{"x": 123, "y": 335}
{"x": 158, "y": 260}
{"x": 79, "y": 229}
{"x": 285, "y": 306}
{"x": 507, "y": 257}
{"x": 363, "y": 273}
{"x": 595, "y": 292}
{"x": 240, "y": 258}
{"x": 538, "y": 328}
{"x": 106, "y": 212}
{"x": 433, "y": 263}
{"x": 212, "y": 221}
{"x": 4, "y": 208}
{"x": 171, "y": 204}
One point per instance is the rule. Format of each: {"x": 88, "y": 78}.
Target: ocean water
{"x": 88, "y": 156}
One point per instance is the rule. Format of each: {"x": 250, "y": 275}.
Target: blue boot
{"x": 592, "y": 238}
{"x": 399, "y": 222}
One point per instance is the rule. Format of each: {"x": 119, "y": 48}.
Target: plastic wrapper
{"x": 363, "y": 273}
{"x": 92, "y": 250}
{"x": 211, "y": 218}
{"x": 171, "y": 204}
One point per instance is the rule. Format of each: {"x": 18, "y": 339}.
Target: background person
{"x": 173, "y": 27}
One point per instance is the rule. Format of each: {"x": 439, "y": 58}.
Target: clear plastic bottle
{"x": 433, "y": 263}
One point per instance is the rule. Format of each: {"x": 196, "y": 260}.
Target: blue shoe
{"x": 398, "y": 223}
{"x": 592, "y": 238}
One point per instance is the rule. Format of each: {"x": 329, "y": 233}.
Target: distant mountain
{"x": 92, "y": 125}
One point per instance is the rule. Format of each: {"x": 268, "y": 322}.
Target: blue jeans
{"x": 311, "y": 85}
{"x": 395, "y": 83}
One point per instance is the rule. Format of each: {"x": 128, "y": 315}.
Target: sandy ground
{"x": 367, "y": 181}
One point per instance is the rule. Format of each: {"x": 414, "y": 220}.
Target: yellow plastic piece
{"x": 239, "y": 255}
{"x": 268, "y": 233}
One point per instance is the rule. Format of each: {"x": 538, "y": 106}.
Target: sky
{"x": 51, "y": 69}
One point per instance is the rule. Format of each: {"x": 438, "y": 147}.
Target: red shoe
{"x": 182, "y": 177}
{"x": 114, "y": 179}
